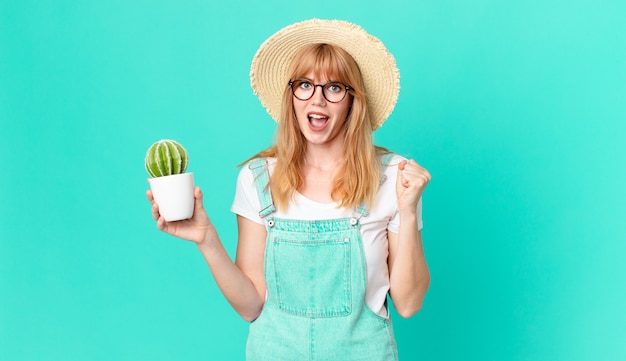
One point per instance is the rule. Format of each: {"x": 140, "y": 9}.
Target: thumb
{"x": 400, "y": 178}
{"x": 197, "y": 194}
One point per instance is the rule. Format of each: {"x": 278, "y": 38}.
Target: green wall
{"x": 518, "y": 109}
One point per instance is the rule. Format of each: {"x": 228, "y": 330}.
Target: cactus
{"x": 166, "y": 157}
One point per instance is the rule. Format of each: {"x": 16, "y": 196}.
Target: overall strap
{"x": 385, "y": 161}
{"x": 261, "y": 175}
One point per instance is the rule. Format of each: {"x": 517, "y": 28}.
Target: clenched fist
{"x": 410, "y": 183}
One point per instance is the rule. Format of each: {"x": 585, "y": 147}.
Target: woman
{"x": 329, "y": 224}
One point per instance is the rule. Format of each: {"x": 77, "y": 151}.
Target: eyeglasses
{"x": 332, "y": 91}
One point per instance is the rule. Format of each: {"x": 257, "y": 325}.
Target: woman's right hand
{"x": 196, "y": 229}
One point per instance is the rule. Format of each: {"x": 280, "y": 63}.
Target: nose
{"x": 318, "y": 95}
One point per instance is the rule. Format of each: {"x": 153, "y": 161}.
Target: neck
{"x": 326, "y": 157}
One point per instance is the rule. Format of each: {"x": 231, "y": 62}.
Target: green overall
{"x": 316, "y": 280}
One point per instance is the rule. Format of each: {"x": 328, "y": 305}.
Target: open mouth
{"x": 317, "y": 121}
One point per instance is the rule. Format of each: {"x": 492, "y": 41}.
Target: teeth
{"x": 317, "y": 116}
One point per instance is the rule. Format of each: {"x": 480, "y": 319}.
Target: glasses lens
{"x": 334, "y": 92}
{"x": 302, "y": 89}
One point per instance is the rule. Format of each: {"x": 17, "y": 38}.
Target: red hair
{"x": 359, "y": 181}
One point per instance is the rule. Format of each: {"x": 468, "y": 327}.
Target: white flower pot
{"x": 174, "y": 196}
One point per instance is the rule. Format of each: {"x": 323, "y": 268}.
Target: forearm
{"x": 408, "y": 275}
{"x": 234, "y": 284}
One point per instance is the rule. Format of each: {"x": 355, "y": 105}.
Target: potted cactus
{"x": 172, "y": 188}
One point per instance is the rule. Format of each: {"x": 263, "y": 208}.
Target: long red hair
{"x": 358, "y": 183}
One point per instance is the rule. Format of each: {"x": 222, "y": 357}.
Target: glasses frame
{"x": 291, "y": 82}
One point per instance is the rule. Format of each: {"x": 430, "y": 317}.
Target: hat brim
{"x": 270, "y": 65}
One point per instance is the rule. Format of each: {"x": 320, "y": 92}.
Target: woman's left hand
{"x": 411, "y": 181}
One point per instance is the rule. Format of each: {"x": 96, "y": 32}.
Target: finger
{"x": 161, "y": 223}
{"x": 413, "y": 169}
{"x": 427, "y": 175}
{"x": 400, "y": 179}
{"x": 155, "y": 211}
{"x": 413, "y": 166}
{"x": 155, "y": 207}
{"x": 415, "y": 175}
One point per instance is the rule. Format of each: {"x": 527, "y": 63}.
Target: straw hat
{"x": 270, "y": 65}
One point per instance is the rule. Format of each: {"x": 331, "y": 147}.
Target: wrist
{"x": 206, "y": 240}
{"x": 408, "y": 214}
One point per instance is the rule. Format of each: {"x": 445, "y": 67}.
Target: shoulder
{"x": 392, "y": 159}
{"x": 390, "y": 163}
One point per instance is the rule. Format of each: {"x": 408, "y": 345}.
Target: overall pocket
{"x": 313, "y": 277}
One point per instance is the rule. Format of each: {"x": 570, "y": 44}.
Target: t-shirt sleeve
{"x": 246, "y": 202}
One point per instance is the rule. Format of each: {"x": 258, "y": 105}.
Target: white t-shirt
{"x": 382, "y": 217}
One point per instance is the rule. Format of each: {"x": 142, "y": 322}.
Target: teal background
{"x": 518, "y": 109}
